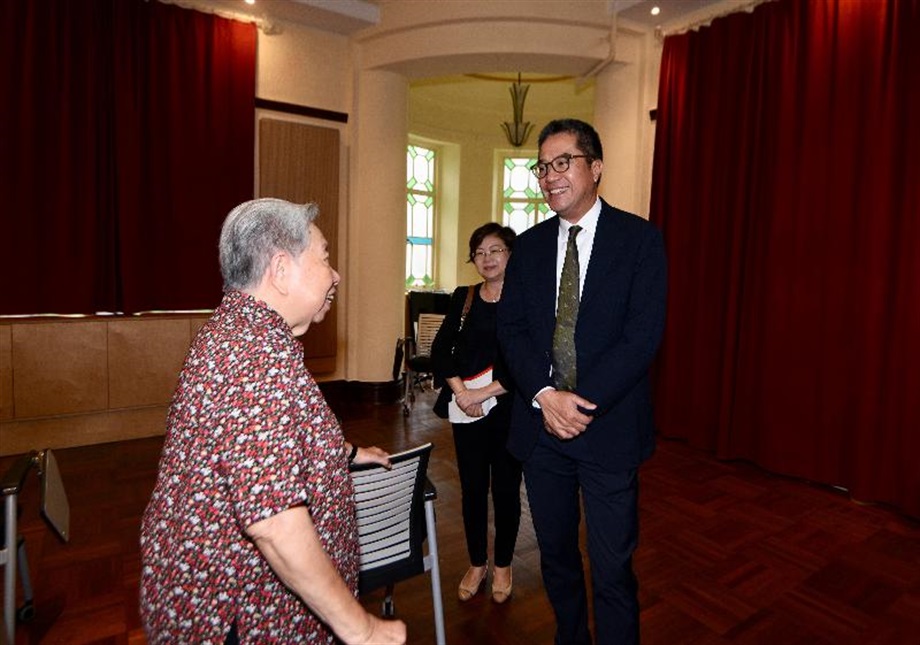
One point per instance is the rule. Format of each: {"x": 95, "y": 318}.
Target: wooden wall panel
{"x": 6, "y": 373}
{"x": 77, "y": 382}
{"x": 300, "y": 163}
{"x": 59, "y": 368}
{"x": 17, "y": 437}
{"x": 145, "y": 357}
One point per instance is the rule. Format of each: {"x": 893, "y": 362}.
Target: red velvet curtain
{"x": 127, "y": 131}
{"x": 787, "y": 184}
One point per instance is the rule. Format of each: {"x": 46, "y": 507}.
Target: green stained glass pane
{"x": 420, "y": 167}
{"x": 418, "y": 266}
{"x": 521, "y": 195}
{"x": 420, "y": 207}
{"x": 520, "y": 180}
{"x": 419, "y": 221}
{"x": 518, "y": 221}
{"x": 420, "y": 170}
{"x": 517, "y": 177}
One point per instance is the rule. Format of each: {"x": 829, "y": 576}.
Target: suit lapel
{"x": 545, "y": 273}
{"x": 606, "y": 249}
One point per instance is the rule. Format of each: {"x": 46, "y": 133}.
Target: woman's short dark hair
{"x": 589, "y": 142}
{"x": 505, "y": 233}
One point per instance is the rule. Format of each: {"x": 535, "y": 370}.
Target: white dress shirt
{"x": 585, "y": 242}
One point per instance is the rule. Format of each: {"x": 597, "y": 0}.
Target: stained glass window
{"x": 420, "y": 211}
{"x": 522, "y": 201}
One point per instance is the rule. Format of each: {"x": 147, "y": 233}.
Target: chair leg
{"x": 26, "y": 611}
{"x": 413, "y": 382}
{"x": 9, "y": 571}
{"x": 435, "y": 573}
{"x": 388, "y": 610}
{"x": 407, "y": 392}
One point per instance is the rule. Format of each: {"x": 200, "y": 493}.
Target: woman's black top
{"x": 469, "y": 351}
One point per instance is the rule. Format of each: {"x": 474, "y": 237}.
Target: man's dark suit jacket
{"x": 620, "y": 323}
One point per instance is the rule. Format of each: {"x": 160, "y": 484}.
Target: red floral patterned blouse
{"x": 249, "y": 435}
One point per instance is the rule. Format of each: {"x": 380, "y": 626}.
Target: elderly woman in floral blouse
{"x": 250, "y": 535}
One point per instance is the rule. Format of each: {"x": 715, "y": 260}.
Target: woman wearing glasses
{"x": 475, "y": 397}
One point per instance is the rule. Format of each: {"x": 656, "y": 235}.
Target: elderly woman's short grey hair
{"x": 254, "y": 231}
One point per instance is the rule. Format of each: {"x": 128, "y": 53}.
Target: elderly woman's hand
{"x": 383, "y": 632}
{"x": 372, "y": 455}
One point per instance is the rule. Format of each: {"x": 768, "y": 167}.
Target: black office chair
{"x": 418, "y": 373}
{"x": 395, "y": 520}
{"x": 425, "y": 310}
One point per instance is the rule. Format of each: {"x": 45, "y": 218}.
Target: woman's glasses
{"x": 482, "y": 254}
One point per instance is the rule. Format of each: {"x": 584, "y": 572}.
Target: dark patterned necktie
{"x": 566, "y": 317}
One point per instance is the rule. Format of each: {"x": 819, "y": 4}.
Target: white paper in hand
{"x": 455, "y": 414}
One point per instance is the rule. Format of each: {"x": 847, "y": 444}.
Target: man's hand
{"x": 561, "y": 416}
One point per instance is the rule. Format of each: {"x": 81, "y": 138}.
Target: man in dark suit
{"x": 582, "y": 417}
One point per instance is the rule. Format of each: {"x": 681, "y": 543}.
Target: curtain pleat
{"x": 127, "y": 137}
{"x": 786, "y": 180}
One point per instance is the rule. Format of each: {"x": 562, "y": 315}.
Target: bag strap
{"x": 470, "y": 291}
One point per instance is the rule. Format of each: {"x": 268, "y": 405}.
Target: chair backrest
{"x": 428, "y": 326}
{"x": 391, "y": 518}
{"x": 424, "y": 302}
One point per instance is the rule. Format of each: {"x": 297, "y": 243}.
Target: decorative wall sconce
{"x": 518, "y": 131}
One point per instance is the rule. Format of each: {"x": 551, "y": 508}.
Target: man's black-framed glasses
{"x": 559, "y": 164}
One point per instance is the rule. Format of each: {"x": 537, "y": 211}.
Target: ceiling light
{"x": 655, "y": 11}
{"x": 518, "y": 130}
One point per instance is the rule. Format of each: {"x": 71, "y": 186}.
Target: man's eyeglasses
{"x": 559, "y": 164}
{"x": 483, "y": 254}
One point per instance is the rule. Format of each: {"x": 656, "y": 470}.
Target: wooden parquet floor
{"x": 728, "y": 553}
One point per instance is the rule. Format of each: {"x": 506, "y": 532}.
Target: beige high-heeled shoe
{"x": 471, "y": 582}
{"x": 501, "y": 587}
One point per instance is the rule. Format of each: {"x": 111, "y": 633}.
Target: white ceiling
{"x": 670, "y": 11}
{"x": 338, "y": 16}
{"x": 349, "y": 16}
{"x": 471, "y": 103}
